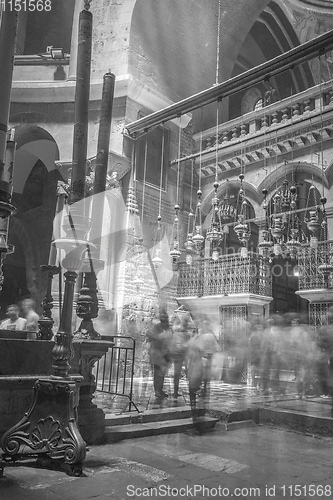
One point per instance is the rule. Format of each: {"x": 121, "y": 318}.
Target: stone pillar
{"x": 81, "y": 108}
{"x": 79, "y": 4}
{"x": 8, "y": 34}
{"x": 87, "y": 304}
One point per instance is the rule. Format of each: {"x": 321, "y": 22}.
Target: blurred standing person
{"x": 194, "y": 372}
{"x": 295, "y": 339}
{"x": 208, "y": 345}
{"x": 14, "y": 321}
{"x": 278, "y": 332}
{"x": 159, "y": 338}
{"x": 266, "y": 355}
{"x": 254, "y": 354}
{"x": 325, "y": 345}
{"x": 178, "y": 347}
{"x": 28, "y": 308}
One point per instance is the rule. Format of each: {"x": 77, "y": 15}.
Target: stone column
{"x": 87, "y": 304}
{"x": 81, "y": 109}
{"x": 8, "y": 35}
{"x": 79, "y": 4}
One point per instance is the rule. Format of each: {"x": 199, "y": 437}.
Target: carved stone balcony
{"x": 289, "y": 125}
{"x": 230, "y": 274}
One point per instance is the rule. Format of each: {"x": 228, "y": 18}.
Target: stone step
{"x": 308, "y": 422}
{"x": 154, "y": 415}
{"x": 115, "y": 433}
{"x": 233, "y": 426}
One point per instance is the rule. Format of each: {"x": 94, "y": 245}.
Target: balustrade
{"x": 312, "y": 103}
{"x": 230, "y": 274}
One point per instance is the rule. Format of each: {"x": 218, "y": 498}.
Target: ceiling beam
{"x": 298, "y": 55}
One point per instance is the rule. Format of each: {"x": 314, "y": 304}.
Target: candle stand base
{"x": 48, "y": 431}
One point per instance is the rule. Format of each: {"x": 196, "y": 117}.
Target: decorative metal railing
{"x": 316, "y": 266}
{"x": 277, "y": 128}
{"x": 228, "y": 275}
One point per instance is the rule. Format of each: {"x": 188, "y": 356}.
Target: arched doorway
{"x": 35, "y": 180}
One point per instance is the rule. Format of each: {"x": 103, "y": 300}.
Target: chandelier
{"x": 242, "y": 228}
{"x": 214, "y": 233}
{"x": 281, "y": 235}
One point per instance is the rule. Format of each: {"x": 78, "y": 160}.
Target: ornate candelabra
{"x": 45, "y": 323}
{"x": 48, "y": 431}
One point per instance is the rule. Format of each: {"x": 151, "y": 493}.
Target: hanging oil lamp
{"x": 189, "y": 244}
{"x": 277, "y": 226}
{"x": 242, "y": 228}
{"x": 215, "y": 234}
{"x": 175, "y": 253}
{"x": 198, "y": 238}
{"x": 293, "y": 244}
{"x": 312, "y": 222}
{"x": 157, "y": 259}
{"x": 265, "y": 246}
{"x": 326, "y": 267}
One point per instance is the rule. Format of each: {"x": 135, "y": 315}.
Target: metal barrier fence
{"x": 114, "y": 372}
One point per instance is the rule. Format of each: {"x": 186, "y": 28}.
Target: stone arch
{"x": 33, "y": 143}
{"x": 181, "y": 61}
{"x": 250, "y": 99}
{"x": 231, "y": 242}
{"x": 329, "y": 174}
{"x": 302, "y": 171}
{"x": 233, "y": 184}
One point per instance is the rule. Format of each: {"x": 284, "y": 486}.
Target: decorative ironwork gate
{"x": 234, "y": 341}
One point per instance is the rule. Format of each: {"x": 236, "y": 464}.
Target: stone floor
{"x": 222, "y": 397}
{"x": 252, "y": 462}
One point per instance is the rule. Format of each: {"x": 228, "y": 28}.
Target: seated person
{"x": 14, "y": 322}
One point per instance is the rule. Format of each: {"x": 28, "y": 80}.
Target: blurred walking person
{"x": 159, "y": 338}
{"x": 180, "y": 337}
{"x": 208, "y": 345}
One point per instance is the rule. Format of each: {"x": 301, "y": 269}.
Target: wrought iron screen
{"x": 309, "y": 262}
{"x": 229, "y": 274}
{"x": 233, "y": 325}
{"x": 318, "y": 314}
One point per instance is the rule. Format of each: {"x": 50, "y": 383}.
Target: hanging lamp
{"x": 198, "y": 238}
{"x": 265, "y": 246}
{"x": 326, "y": 267}
{"x": 215, "y": 233}
{"x": 242, "y": 228}
{"x": 293, "y": 243}
{"x": 189, "y": 245}
{"x": 175, "y": 253}
{"x": 312, "y": 218}
{"x": 157, "y": 256}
